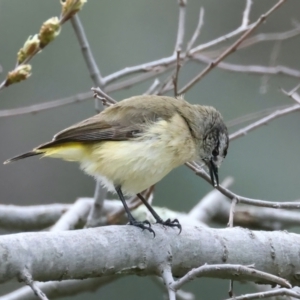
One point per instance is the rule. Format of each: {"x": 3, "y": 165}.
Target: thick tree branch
{"x": 108, "y": 250}
{"x": 31, "y": 218}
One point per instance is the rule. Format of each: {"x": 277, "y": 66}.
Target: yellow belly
{"x": 135, "y": 164}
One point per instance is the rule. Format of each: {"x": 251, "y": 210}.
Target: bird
{"x": 133, "y": 144}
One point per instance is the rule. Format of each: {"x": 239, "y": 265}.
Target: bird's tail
{"x": 24, "y": 155}
{"x": 71, "y": 151}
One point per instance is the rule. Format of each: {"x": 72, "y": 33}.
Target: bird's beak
{"x": 213, "y": 172}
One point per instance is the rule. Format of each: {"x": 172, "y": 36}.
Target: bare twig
{"x": 230, "y": 291}
{"x": 96, "y": 212}
{"x": 102, "y": 94}
{"x": 77, "y": 213}
{"x": 33, "y": 109}
{"x": 100, "y": 191}
{"x": 175, "y": 77}
{"x": 180, "y": 295}
{"x": 58, "y": 289}
{"x": 255, "y": 202}
{"x": 273, "y": 58}
{"x": 231, "y": 212}
{"x": 152, "y": 87}
{"x": 181, "y": 25}
{"x": 262, "y": 218}
{"x": 88, "y": 56}
{"x": 167, "y": 277}
{"x": 197, "y": 32}
{"x": 209, "y": 270}
{"x": 252, "y": 69}
{"x": 268, "y": 37}
{"x": 257, "y": 114}
{"x": 27, "y": 278}
{"x": 267, "y": 294}
{"x": 246, "y": 14}
{"x": 293, "y": 93}
{"x": 263, "y": 121}
{"x": 2, "y": 85}
{"x": 232, "y": 48}
{"x": 156, "y": 66}
{"x": 205, "y": 210}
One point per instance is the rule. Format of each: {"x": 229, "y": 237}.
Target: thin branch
{"x": 36, "y": 108}
{"x": 167, "y": 277}
{"x": 230, "y": 291}
{"x": 86, "y": 51}
{"x": 180, "y": 295}
{"x": 170, "y": 60}
{"x": 262, "y": 218}
{"x": 236, "y": 270}
{"x": 255, "y": 202}
{"x": 267, "y": 294}
{"x": 2, "y": 85}
{"x": 77, "y": 213}
{"x": 259, "y": 38}
{"x": 232, "y": 48}
{"x": 273, "y": 59}
{"x": 175, "y": 77}
{"x": 255, "y": 115}
{"x": 100, "y": 191}
{"x": 58, "y": 289}
{"x": 293, "y": 93}
{"x": 231, "y": 212}
{"x": 269, "y": 37}
{"x": 263, "y": 121}
{"x": 181, "y": 25}
{"x": 164, "y": 64}
{"x": 33, "y": 109}
{"x": 88, "y": 56}
{"x": 153, "y": 66}
{"x": 100, "y": 93}
{"x": 96, "y": 212}
{"x": 254, "y": 69}
{"x": 27, "y": 278}
{"x": 152, "y": 87}
{"x": 206, "y": 209}
{"x": 246, "y": 14}
{"x": 197, "y": 32}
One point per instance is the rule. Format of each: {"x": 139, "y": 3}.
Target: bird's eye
{"x": 215, "y": 152}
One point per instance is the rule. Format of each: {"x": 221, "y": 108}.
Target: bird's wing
{"x": 116, "y": 123}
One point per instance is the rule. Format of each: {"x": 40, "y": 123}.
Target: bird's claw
{"x": 173, "y": 223}
{"x": 143, "y": 225}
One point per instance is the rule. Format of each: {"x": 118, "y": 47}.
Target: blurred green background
{"x": 265, "y": 163}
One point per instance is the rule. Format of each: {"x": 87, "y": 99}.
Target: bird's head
{"x": 212, "y": 136}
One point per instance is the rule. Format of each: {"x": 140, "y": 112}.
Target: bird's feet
{"x": 173, "y": 223}
{"x": 145, "y": 225}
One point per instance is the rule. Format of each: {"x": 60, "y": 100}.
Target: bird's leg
{"x": 132, "y": 221}
{"x": 168, "y": 222}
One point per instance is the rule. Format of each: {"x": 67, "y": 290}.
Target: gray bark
{"x": 113, "y": 250}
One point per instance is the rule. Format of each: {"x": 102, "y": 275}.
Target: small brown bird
{"x": 133, "y": 144}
